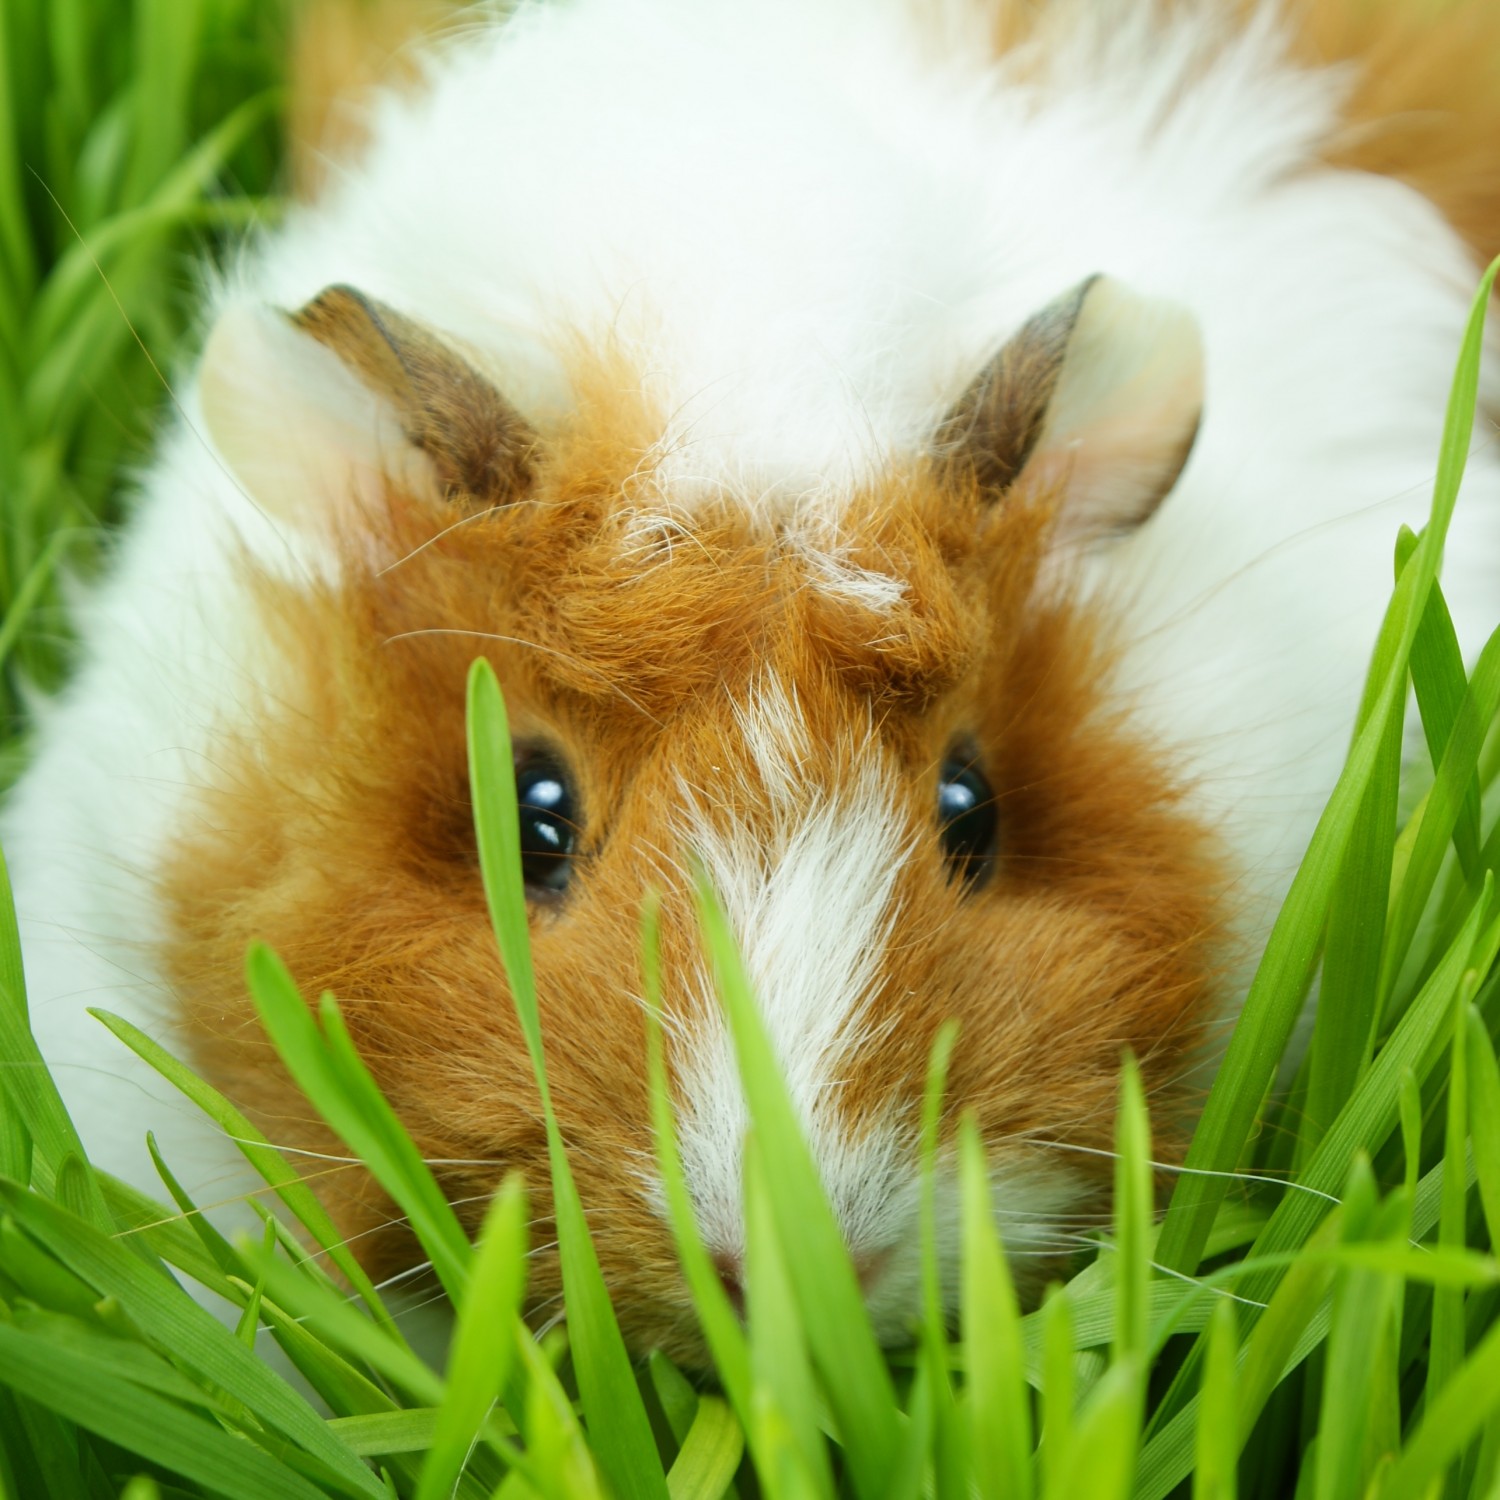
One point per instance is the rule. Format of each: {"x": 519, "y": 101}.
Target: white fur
{"x": 812, "y": 222}
{"x": 812, "y": 906}
{"x": 813, "y": 909}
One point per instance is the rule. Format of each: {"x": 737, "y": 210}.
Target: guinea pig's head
{"x": 882, "y": 727}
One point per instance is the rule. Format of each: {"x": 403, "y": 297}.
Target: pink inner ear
{"x": 1126, "y": 411}
{"x": 304, "y": 438}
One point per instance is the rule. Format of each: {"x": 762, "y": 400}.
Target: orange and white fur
{"x": 793, "y": 401}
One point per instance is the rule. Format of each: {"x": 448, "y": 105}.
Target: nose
{"x": 731, "y": 1268}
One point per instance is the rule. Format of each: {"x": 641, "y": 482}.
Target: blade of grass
{"x": 619, "y": 1425}
{"x": 347, "y": 1390}
{"x": 843, "y": 1345}
{"x": 1484, "y": 1118}
{"x": 721, "y": 1328}
{"x": 321, "y": 1056}
{"x": 1437, "y": 674}
{"x": 25, "y": 1077}
{"x": 950, "y": 1455}
{"x": 407, "y": 1429}
{"x": 1134, "y": 1211}
{"x": 15, "y": 1143}
{"x": 1356, "y": 1324}
{"x": 710, "y": 1454}
{"x": 1057, "y": 1393}
{"x": 482, "y": 1341}
{"x": 1441, "y": 811}
{"x": 144, "y": 1423}
{"x": 1216, "y": 1473}
{"x": 555, "y": 1445}
{"x": 1371, "y": 1114}
{"x": 995, "y": 1398}
{"x": 1275, "y": 996}
{"x": 341, "y": 1326}
{"x": 1106, "y": 1435}
{"x": 174, "y": 1322}
{"x": 1448, "y": 1339}
{"x": 1365, "y": 1120}
{"x": 779, "y": 1363}
{"x": 1347, "y": 1012}
{"x": 249, "y": 1320}
{"x": 1464, "y": 1408}
{"x": 169, "y": 1236}
{"x": 215, "y": 1246}
{"x": 1167, "y": 1457}
{"x": 260, "y": 1153}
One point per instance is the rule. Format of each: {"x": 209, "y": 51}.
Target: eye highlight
{"x": 549, "y": 823}
{"x": 967, "y": 820}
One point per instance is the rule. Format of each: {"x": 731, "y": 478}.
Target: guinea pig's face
{"x": 883, "y": 733}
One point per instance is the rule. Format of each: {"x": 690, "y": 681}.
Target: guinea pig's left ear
{"x": 326, "y": 405}
{"x": 1099, "y": 394}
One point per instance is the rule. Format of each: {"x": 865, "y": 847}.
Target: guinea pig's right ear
{"x": 323, "y": 408}
{"x": 1099, "y": 395}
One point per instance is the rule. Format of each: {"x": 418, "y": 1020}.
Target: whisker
{"x": 1202, "y": 1286}
{"x": 1180, "y": 1169}
{"x": 437, "y": 536}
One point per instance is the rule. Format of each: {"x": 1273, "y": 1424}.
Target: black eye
{"x": 967, "y": 821}
{"x": 549, "y": 826}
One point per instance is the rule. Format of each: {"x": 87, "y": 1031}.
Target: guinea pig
{"x": 934, "y": 468}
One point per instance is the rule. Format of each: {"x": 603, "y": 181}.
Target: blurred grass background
{"x": 136, "y": 137}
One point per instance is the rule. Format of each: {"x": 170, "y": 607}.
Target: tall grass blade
{"x": 721, "y": 1328}
{"x": 142, "y": 1422}
{"x": 483, "y": 1340}
{"x": 1438, "y": 675}
{"x": 1057, "y": 1393}
{"x": 619, "y": 1426}
{"x": 995, "y": 1396}
{"x": 175, "y": 1323}
{"x": 780, "y": 1367}
{"x": 1216, "y": 1472}
{"x": 1285, "y": 970}
{"x": 1465, "y": 1407}
{"x": 1133, "y": 1217}
{"x": 1448, "y": 1337}
{"x": 843, "y": 1345}
{"x": 25, "y": 1078}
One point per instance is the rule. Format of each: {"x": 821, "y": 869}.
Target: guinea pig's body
{"x": 833, "y": 421}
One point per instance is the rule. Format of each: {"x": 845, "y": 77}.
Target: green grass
{"x": 1315, "y": 1313}
{"x": 134, "y": 134}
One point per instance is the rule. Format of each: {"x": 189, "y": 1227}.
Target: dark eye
{"x": 549, "y": 824}
{"x": 967, "y": 821}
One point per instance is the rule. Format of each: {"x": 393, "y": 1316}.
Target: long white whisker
{"x": 1179, "y": 1169}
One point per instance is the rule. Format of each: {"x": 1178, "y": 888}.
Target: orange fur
{"x": 339, "y": 830}
{"x": 342, "y": 51}
{"x": 1425, "y": 105}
